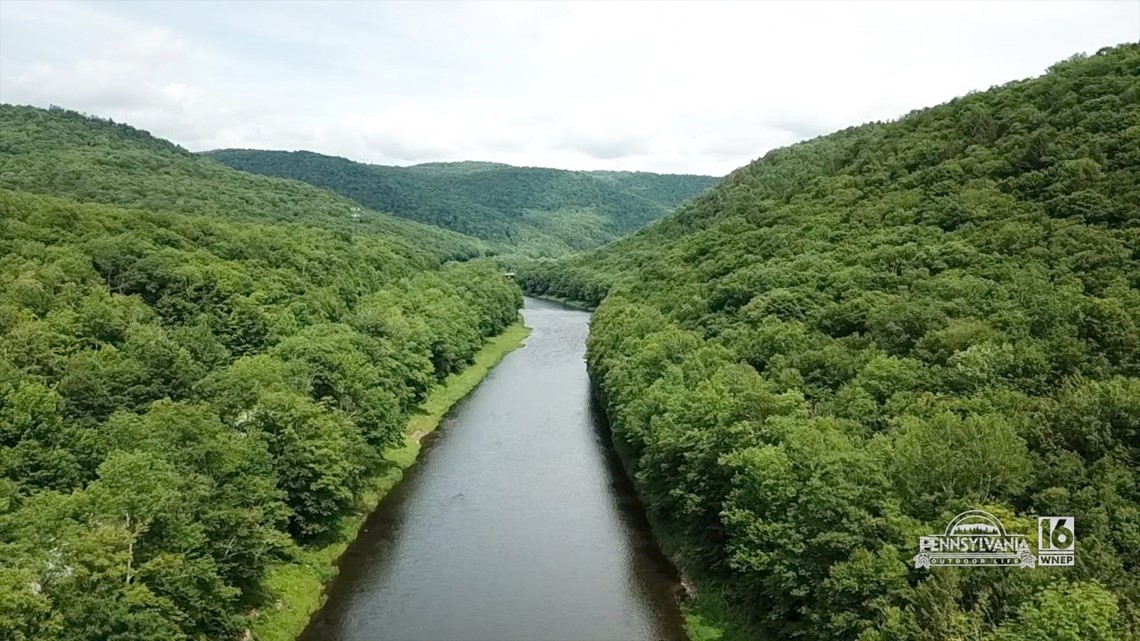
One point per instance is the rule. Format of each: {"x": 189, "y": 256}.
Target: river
{"x": 517, "y": 522}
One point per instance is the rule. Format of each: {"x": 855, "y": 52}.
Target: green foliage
{"x": 852, "y": 339}
{"x": 299, "y": 583}
{"x": 63, "y": 153}
{"x": 193, "y": 388}
{"x": 526, "y": 211}
{"x": 1082, "y": 612}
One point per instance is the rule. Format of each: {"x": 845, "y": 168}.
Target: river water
{"x": 516, "y": 524}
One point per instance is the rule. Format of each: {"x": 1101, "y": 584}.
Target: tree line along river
{"x": 517, "y": 523}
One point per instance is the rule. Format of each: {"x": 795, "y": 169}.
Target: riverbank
{"x": 298, "y": 586}
{"x": 518, "y": 493}
{"x": 706, "y": 613}
{"x": 569, "y": 302}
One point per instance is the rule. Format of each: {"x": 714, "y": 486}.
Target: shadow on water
{"x": 632, "y": 512}
{"x": 518, "y": 522}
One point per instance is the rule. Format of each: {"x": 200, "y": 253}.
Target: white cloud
{"x": 698, "y": 86}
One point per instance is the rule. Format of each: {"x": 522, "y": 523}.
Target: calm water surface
{"x": 515, "y": 524}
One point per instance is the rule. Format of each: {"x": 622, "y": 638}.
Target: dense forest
{"x": 199, "y": 369}
{"x": 849, "y": 341}
{"x": 524, "y": 211}
{"x": 64, "y": 153}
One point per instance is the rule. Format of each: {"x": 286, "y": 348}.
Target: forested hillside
{"x": 193, "y": 387}
{"x": 853, "y": 339}
{"x": 527, "y": 211}
{"x": 64, "y": 153}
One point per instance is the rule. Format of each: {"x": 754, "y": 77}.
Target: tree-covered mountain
{"x": 64, "y": 153}
{"x": 199, "y": 371}
{"x": 853, "y": 339}
{"x": 527, "y": 211}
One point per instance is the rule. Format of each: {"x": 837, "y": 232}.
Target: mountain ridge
{"x": 534, "y": 211}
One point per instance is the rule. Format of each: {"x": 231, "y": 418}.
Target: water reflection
{"x": 516, "y": 524}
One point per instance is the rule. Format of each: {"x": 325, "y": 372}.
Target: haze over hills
{"x": 529, "y": 211}
{"x": 849, "y": 341}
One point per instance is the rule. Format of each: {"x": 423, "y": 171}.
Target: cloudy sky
{"x": 699, "y": 87}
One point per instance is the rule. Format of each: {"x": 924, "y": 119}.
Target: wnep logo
{"x": 978, "y": 538}
{"x": 1056, "y": 540}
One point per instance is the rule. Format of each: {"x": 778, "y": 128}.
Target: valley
{"x": 528, "y": 212}
{"x": 221, "y": 376}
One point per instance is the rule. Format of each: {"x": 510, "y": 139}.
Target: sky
{"x": 680, "y": 87}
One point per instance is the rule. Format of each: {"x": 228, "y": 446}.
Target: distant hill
{"x": 849, "y": 341}
{"x": 528, "y": 210}
{"x": 64, "y": 153}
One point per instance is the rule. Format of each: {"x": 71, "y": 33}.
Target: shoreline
{"x": 705, "y": 614}
{"x": 299, "y": 585}
{"x": 569, "y": 302}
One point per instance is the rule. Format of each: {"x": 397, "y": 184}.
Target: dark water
{"x": 515, "y": 524}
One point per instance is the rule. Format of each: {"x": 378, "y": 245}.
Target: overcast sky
{"x": 676, "y": 87}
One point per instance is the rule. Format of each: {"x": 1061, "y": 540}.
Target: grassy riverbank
{"x": 298, "y": 585}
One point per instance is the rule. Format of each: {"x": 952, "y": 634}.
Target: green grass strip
{"x": 298, "y": 585}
